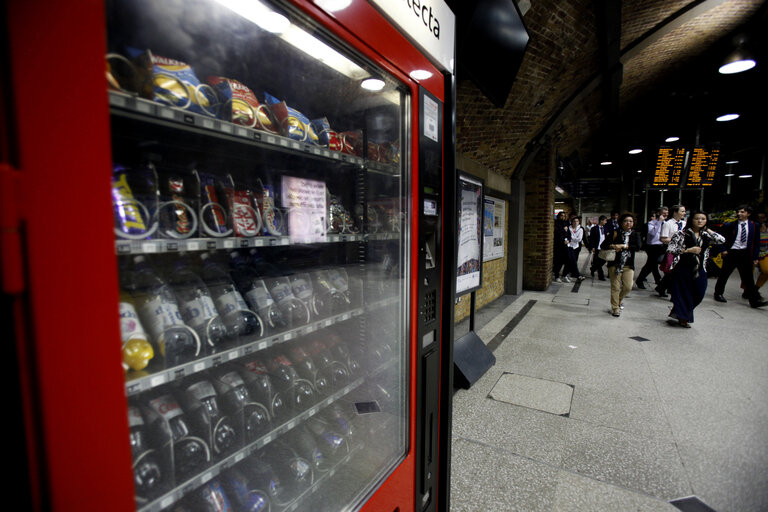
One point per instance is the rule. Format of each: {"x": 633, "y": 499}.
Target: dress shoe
{"x": 661, "y": 292}
{"x": 601, "y": 278}
{"x": 758, "y": 303}
{"x": 640, "y": 285}
{"x": 744, "y": 295}
{"x": 720, "y": 298}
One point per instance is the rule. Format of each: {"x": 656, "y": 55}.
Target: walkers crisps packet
{"x": 240, "y": 105}
{"x": 174, "y": 83}
{"x": 326, "y": 136}
{"x": 293, "y": 123}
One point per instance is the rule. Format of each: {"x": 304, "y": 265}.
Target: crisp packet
{"x": 240, "y": 105}
{"x": 176, "y": 212}
{"x": 326, "y": 136}
{"x": 213, "y": 214}
{"x": 172, "y": 82}
{"x": 373, "y": 151}
{"x": 293, "y": 123}
{"x": 134, "y": 199}
{"x": 352, "y": 142}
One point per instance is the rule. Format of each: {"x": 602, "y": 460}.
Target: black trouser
{"x": 742, "y": 260}
{"x": 571, "y": 262}
{"x": 597, "y": 265}
{"x": 653, "y": 252}
{"x": 561, "y": 256}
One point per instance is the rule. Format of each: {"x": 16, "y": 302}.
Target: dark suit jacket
{"x": 731, "y": 229}
{"x": 634, "y": 245}
{"x": 594, "y": 236}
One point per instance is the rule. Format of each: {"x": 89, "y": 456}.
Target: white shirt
{"x": 737, "y": 242}
{"x": 669, "y": 228}
{"x": 654, "y": 231}
{"x": 576, "y": 237}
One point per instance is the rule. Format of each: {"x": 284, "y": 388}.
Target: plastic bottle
{"x": 260, "y": 387}
{"x": 238, "y": 319}
{"x": 255, "y": 292}
{"x": 237, "y": 401}
{"x": 147, "y": 475}
{"x": 244, "y": 494}
{"x": 190, "y": 453}
{"x": 201, "y": 402}
{"x": 197, "y": 307}
{"x": 137, "y": 351}
{"x": 159, "y": 313}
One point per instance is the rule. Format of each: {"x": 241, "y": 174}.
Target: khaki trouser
{"x": 621, "y": 285}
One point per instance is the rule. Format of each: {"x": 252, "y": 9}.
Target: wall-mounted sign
{"x": 703, "y": 167}
{"x": 669, "y": 167}
{"x": 493, "y": 228}
{"x": 430, "y": 24}
{"x": 470, "y": 234}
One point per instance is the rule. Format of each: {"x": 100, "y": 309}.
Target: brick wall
{"x": 539, "y": 210}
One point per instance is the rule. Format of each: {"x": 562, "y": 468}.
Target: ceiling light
{"x": 732, "y": 162}
{"x": 672, "y": 139}
{"x": 745, "y": 175}
{"x": 372, "y": 84}
{"x": 739, "y": 60}
{"x": 730, "y": 174}
{"x": 728, "y": 117}
{"x": 420, "y": 74}
{"x": 259, "y": 14}
{"x": 635, "y": 151}
{"x": 639, "y": 171}
{"x": 606, "y": 162}
{"x": 333, "y": 5}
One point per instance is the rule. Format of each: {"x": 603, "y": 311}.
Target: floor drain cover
{"x": 570, "y": 300}
{"x": 543, "y": 395}
{"x": 639, "y": 338}
{"x": 691, "y": 504}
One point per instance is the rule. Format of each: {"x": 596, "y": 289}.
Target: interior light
{"x": 739, "y": 60}
{"x": 728, "y": 117}
{"x": 420, "y": 74}
{"x": 732, "y": 162}
{"x": 672, "y": 139}
{"x": 730, "y": 174}
{"x": 635, "y": 151}
{"x": 333, "y": 5}
{"x": 737, "y": 66}
{"x": 745, "y": 175}
{"x": 639, "y": 171}
{"x": 258, "y": 13}
{"x": 372, "y": 84}
{"x": 606, "y": 162}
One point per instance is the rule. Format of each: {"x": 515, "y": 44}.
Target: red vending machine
{"x": 223, "y": 252}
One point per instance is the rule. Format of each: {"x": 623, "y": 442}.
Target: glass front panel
{"x": 260, "y": 197}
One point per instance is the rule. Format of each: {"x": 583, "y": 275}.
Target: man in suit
{"x": 740, "y": 251}
{"x": 596, "y": 237}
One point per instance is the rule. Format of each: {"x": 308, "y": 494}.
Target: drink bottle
{"x": 335, "y": 372}
{"x": 331, "y": 443}
{"x": 201, "y": 403}
{"x": 137, "y": 351}
{"x": 339, "y": 416}
{"x": 259, "y": 384}
{"x": 301, "y": 286}
{"x": 341, "y": 352}
{"x": 160, "y": 315}
{"x": 307, "y": 369}
{"x": 261, "y": 475}
{"x": 293, "y": 310}
{"x": 213, "y": 498}
{"x": 197, "y": 307}
{"x": 248, "y": 498}
{"x": 147, "y": 475}
{"x": 237, "y": 401}
{"x": 299, "y": 391}
{"x": 239, "y": 320}
{"x": 306, "y": 447}
{"x": 255, "y": 292}
{"x": 339, "y": 280}
{"x": 327, "y": 300}
{"x": 295, "y": 472}
{"x": 190, "y": 453}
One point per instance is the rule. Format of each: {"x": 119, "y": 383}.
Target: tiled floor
{"x": 683, "y": 413}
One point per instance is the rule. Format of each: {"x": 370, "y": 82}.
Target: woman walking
{"x": 621, "y": 271}
{"x": 576, "y": 236}
{"x": 688, "y": 279}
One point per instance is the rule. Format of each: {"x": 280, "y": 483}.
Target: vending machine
{"x": 223, "y": 252}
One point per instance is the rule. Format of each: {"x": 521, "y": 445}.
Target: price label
{"x": 198, "y": 367}
{"x": 207, "y": 123}
{"x": 144, "y": 108}
{"x": 229, "y": 244}
{"x": 226, "y": 128}
{"x": 158, "y": 380}
{"x": 193, "y": 246}
{"x": 149, "y": 247}
{"x": 167, "y": 113}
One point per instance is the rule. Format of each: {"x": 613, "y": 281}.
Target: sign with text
{"x": 470, "y": 234}
{"x": 493, "y": 228}
{"x": 304, "y": 201}
{"x": 703, "y": 167}
{"x": 669, "y": 167}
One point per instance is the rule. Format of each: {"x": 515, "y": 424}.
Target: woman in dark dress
{"x": 688, "y": 279}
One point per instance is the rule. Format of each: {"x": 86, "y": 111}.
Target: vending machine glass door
{"x": 260, "y": 192}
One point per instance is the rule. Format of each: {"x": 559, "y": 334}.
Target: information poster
{"x": 493, "y": 228}
{"x": 703, "y": 167}
{"x": 304, "y": 201}
{"x": 669, "y": 167}
{"x": 470, "y": 234}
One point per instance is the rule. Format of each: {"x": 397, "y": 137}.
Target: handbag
{"x": 606, "y": 254}
{"x": 666, "y": 263}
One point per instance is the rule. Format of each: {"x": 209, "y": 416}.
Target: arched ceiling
{"x": 601, "y": 74}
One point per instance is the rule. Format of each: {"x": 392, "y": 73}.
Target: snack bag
{"x": 135, "y": 201}
{"x": 246, "y": 220}
{"x": 213, "y": 214}
{"x": 240, "y": 105}
{"x": 352, "y": 142}
{"x": 325, "y": 135}
{"x": 172, "y": 82}
{"x": 293, "y": 123}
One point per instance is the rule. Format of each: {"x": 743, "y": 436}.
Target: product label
{"x": 256, "y": 367}
{"x": 301, "y": 288}
{"x": 134, "y": 417}
{"x": 130, "y": 327}
{"x": 338, "y": 280}
{"x": 232, "y": 380}
{"x": 126, "y": 204}
{"x": 159, "y": 315}
{"x": 202, "y": 390}
{"x": 167, "y": 407}
{"x": 259, "y": 297}
{"x": 230, "y": 301}
{"x": 282, "y": 293}
{"x": 198, "y": 311}
{"x": 243, "y": 215}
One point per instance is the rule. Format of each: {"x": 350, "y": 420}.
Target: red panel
{"x": 57, "y": 54}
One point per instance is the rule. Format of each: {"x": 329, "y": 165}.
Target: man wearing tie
{"x": 741, "y": 252}
{"x": 596, "y": 237}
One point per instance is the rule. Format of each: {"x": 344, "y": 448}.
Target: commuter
{"x": 688, "y": 278}
{"x": 654, "y": 249}
{"x": 575, "y": 237}
{"x": 596, "y": 237}
{"x": 621, "y": 271}
{"x": 668, "y": 230}
{"x": 763, "y": 254}
{"x": 613, "y": 223}
{"x": 741, "y": 251}
{"x": 561, "y": 240}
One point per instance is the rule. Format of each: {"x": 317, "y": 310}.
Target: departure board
{"x": 703, "y": 166}
{"x": 669, "y": 167}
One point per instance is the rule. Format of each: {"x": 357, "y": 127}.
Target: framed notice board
{"x": 470, "y": 234}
